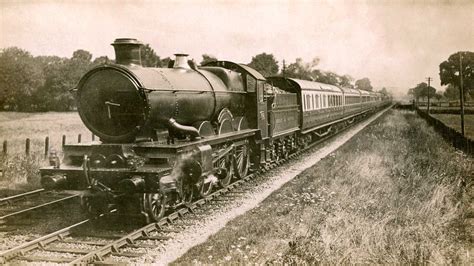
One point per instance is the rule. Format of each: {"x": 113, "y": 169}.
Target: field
{"x": 16, "y": 127}
{"x": 454, "y": 121}
{"x": 395, "y": 194}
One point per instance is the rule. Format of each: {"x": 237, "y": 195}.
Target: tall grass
{"x": 20, "y": 171}
{"x": 401, "y": 197}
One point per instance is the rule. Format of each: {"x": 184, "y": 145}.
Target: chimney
{"x": 127, "y": 51}
{"x": 181, "y": 61}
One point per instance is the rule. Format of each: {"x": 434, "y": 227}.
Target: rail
{"x": 21, "y": 211}
{"x": 19, "y": 196}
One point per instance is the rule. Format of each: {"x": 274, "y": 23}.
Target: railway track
{"x": 30, "y": 201}
{"x": 65, "y": 246}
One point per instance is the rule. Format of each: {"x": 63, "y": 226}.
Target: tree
{"x": 346, "y": 81}
{"x": 417, "y": 91}
{"x": 206, "y": 58}
{"x": 449, "y": 71}
{"x": 60, "y": 77}
{"x": 149, "y": 57}
{"x": 385, "y": 92}
{"x": 451, "y": 93}
{"x": 308, "y": 71}
{"x": 364, "y": 84}
{"x": 165, "y": 61}
{"x": 422, "y": 90}
{"x": 101, "y": 60}
{"x": 328, "y": 78}
{"x": 265, "y": 64}
{"x": 20, "y": 77}
{"x": 428, "y": 92}
{"x": 81, "y": 56}
{"x": 438, "y": 96}
{"x": 302, "y": 70}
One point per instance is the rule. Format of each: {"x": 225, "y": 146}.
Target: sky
{"x": 396, "y": 44}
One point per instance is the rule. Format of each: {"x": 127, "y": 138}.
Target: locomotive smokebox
{"x": 127, "y": 51}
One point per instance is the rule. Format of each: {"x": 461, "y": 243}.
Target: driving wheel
{"x": 154, "y": 204}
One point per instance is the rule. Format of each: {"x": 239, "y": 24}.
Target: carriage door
{"x": 262, "y": 112}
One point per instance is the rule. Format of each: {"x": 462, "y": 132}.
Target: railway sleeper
{"x": 127, "y": 254}
{"x": 90, "y": 243}
{"x": 157, "y": 237}
{"x": 67, "y": 250}
{"x": 33, "y": 258}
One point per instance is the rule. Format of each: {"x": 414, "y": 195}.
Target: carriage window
{"x": 304, "y": 103}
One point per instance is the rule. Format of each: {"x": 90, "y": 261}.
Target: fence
{"x": 457, "y": 139}
{"x": 446, "y": 104}
{"x": 46, "y": 147}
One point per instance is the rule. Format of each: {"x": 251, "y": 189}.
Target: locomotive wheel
{"x": 187, "y": 195}
{"x": 226, "y": 170}
{"x": 86, "y": 206}
{"x": 155, "y": 206}
{"x": 242, "y": 161}
{"x": 205, "y": 188}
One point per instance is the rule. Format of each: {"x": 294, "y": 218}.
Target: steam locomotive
{"x": 171, "y": 135}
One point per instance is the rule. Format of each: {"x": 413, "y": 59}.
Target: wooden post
{"x": 93, "y": 137}
{"x": 64, "y": 140}
{"x": 46, "y": 147}
{"x": 5, "y": 147}
{"x": 27, "y": 147}
{"x": 78, "y": 138}
{"x": 461, "y": 94}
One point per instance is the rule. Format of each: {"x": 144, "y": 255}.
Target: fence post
{"x": 27, "y": 146}
{"x": 5, "y": 147}
{"x": 46, "y": 146}
{"x": 78, "y": 138}
{"x": 64, "y": 140}
{"x": 93, "y": 137}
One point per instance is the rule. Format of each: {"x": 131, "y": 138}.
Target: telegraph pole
{"x": 462, "y": 93}
{"x": 429, "y": 79}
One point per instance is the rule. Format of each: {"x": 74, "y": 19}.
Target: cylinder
{"x": 132, "y": 185}
{"x": 53, "y": 181}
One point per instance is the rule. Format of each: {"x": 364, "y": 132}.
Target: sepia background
{"x": 393, "y": 43}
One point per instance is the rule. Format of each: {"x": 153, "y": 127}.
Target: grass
{"x": 16, "y": 127}
{"x": 396, "y": 193}
{"x": 454, "y": 121}
{"x": 19, "y": 170}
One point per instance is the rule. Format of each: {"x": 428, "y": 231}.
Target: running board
{"x": 332, "y": 122}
